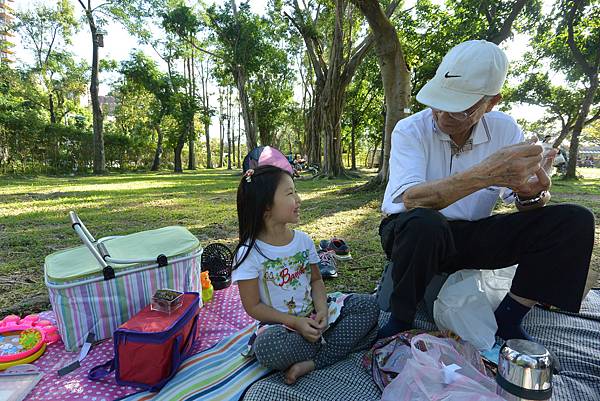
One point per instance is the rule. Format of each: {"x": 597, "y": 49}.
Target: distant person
{"x": 299, "y": 162}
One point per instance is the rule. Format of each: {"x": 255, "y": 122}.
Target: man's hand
{"x": 540, "y": 181}
{"x": 308, "y": 328}
{"x": 512, "y": 166}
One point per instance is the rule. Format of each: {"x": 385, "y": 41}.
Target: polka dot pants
{"x": 355, "y": 329}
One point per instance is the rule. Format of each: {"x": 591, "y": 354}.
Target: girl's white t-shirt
{"x": 283, "y": 273}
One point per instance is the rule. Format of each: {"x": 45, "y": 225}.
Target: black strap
{"x": 521, "y": 392}
{"x": 101, "y": 371}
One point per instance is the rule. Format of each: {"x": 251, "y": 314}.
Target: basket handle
{"x": 100, "y": 252}
{"x": 89, "y": 240}
{"x": 103, "y": 251}
{"x": 75, "y": 221}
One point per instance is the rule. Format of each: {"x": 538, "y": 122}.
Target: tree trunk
{"x": 159, "y": 149}
{"x": 221, "y": 147}
{"x": 331, "y": 81}
{"x": 98, "y": 141}
{"x": 395, "y": 75}
{"x": 232, "y": 138}
{"x": 178, "y": 150}
{"x": 208, "y": 151}
{"x": 313, "y": 141}
{"x": 382, "y": 148}
{"x": 249, "y": 125}
{"x": 373, "y": 156}
{"x": 564, "y": 132}
{"x": 192, "y": 134}
{"x": 506, "y": 29}
{"x": 353, "y": 144}
{"x": 348, "y": 163}
{"x": 239, "y": 163}
{"x": 51, "y": 109}
{"x": 579, "y": 124}
{"x": 239, "y": 76}
{"x": 206, "y": 111}
{"x": 332, "y": 107}
{"x": 192, "y": 153}
{"x": 221, "y": 128}
{"x": 229, "y": 129}
{"x": 591, "y": 72}
{"x": 333, "y": 97}
{"x": 221, "y": 142}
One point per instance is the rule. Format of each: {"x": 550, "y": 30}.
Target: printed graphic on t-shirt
{"x": 286, "y": 282}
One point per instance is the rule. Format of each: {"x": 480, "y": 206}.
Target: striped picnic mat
{"x": 219, "y": 373}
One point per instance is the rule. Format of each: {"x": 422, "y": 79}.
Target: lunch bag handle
{"x": 101, "y": 371}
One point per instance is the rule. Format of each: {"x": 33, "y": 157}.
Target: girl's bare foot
{"x": 298, "y": 370}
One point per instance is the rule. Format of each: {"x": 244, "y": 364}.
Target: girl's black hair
{"x": 255, "y": 195}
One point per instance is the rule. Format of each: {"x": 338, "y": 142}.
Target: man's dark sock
{"x": 393, "y": 326}
{"x": 509, "y": 316}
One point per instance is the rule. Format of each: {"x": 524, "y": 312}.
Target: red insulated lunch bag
{"x": 150, "y": 346}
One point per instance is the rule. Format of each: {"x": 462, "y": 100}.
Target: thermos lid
{"x": 525, "y": 369}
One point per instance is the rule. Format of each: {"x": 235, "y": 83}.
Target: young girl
{"x": 280, "y": 284}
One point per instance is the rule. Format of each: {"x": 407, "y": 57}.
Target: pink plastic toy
{"x": 19, "y": 342}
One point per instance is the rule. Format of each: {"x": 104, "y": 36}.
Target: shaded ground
{"x": 34, "y": 219}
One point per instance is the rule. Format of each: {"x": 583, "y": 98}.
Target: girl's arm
{"x": 264, "y": 313}
{"x": 319, "y": 295}
{"x": 258, "y": 310}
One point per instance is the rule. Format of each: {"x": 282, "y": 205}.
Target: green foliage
{"x": 592, "y": 133}
{"x": 550, "y": 40}
{"x": 45, "y": 27}
{"x": 141, "y": 72}
{"x": 364, "y": 105}
{"x": 271, "y": 92}
{"x": 562, "y": 101}
{"x": 181, "y": 21}
{"x": 257, "y": 45}
{"x": 264, "y": 48}
{"x": 56, "y": 80}
{"x": 240, "y": 40}
{"x": 429, "y": 30}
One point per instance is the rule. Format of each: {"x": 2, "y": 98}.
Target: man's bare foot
{"x": 298, "y": 370}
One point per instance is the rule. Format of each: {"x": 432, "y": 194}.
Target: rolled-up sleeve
{"x": 408, "y": 167}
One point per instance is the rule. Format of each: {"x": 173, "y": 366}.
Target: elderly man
{"x": 448, "y": 166}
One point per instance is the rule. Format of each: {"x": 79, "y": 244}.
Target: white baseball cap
{"x": 468, "y": 72}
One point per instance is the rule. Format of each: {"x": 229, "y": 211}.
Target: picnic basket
{"x": 96, "y": 287}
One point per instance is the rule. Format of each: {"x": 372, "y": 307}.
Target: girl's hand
{"x": 308, "y": 328}
{"x": 322, "y": 319}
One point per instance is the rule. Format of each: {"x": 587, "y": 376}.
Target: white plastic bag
{"x": 467, "y": 301}
{"x": 439, "y": 373}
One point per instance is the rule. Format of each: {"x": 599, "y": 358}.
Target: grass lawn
{"x": 34, "y": 218}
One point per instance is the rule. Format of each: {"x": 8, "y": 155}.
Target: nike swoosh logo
{"x": 451, "y": 76}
